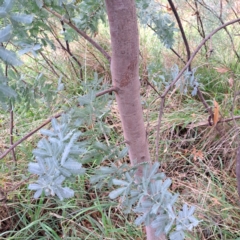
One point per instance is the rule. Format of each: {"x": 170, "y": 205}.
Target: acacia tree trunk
{"x": 125, "y": 77}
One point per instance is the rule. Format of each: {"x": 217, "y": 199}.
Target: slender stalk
{"x": 80, "y": 32}
{"x": 188, "y": 52}
{"x": 180, "y": 74}
{"x": 158, "y": 128}
{"x": 11, "y": 137}
{"x": 11, "y": 124}
{"x": 225, "y": 27}
{"x": 181, "y": 29}
{"x": 49, "y": 64}
{"x": 67, "y": 49}
{"x": 195, "y": 53}
{"x": 172, "y": 49}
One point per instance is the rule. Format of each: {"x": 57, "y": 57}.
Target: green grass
{"x": 199, "y": 159}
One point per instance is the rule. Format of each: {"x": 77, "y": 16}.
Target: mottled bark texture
{"x": 125, "y": 77}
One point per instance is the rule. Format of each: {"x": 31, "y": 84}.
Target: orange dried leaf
{"x": 216, "y": 113}
{"x": 222, "y": 70}
{"x": 197, "y": 154}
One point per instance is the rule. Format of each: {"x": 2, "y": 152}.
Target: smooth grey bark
{"x": 125, "y": 77}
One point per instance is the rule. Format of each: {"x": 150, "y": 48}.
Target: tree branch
{"x": 158, "y": 128}
{"x": 195, "y": 53}
{"x": 226, "y": 30}
{"x": 206, "y": 123}
{"x": 178, "y": 77}
{"x": 174, "y": 51}
{"x": 11, "y": 123}
{"x": 80, "y": 32}
{"x": 67, "y": 49}
{"x": 199, "y": 92}
{"x": 48, "y": 121}
{"x": 188, "y": 53}
{"x": 181, "y": 29}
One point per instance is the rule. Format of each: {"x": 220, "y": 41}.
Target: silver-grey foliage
{"x": 149, "y": 197}
{"x": 57, "y": 158}
{"x": 58, "y": 153}
{"x": 12, "y": 21}
{"x": 189, "y": 81}
{"x": 151, "y": 15}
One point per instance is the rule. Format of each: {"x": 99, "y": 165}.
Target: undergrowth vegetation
{"x": 199, "y": 158}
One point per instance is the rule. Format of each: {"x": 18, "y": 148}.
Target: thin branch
{"x": 67, "y": 49}
{"x": 201, "y": 31}
{"x": 64, "y": 31}
{"x": 221, "y": 9}
{"x": 6, "y": 191}
{"x": 206, "y": 123}
{"x": 15, "y": 70}
{"x": 174, "y": 51}
{"x": 209, "y": 109}
{"x": 195, "y": 53}
{"x": 226, "y": 30}
{"x": 178, "y": 77}
{"x": 112, "y": 89}
{"x": 158, "y": 128}
{"x": 229, "y": 119}
{"x": 148, "y": 83}
{"x": 11, "y": 137}
{"x": 11, "y": 124}
{"x": 49, "y": 64}
{"x": 188, "y": 52}
{"x": 181, "y": 29}
{"x": 178, "y": 55}
{"x": 199, "y": 92}
{"x": 96, "y": 59}
{"x": 80, "y": 32}
{"x": 74, "y": 69}
{"x": 44, "y": 66}
{"x": 29, "y": 135}
{"x": 235, "y": 13}
{"x": 48, "y": 121}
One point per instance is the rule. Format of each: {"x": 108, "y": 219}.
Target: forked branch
{"x": 181, "y": 73}
{"x": 80, "y": 32}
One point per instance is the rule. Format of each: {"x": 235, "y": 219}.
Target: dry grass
{"x": 199, "y": 159}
